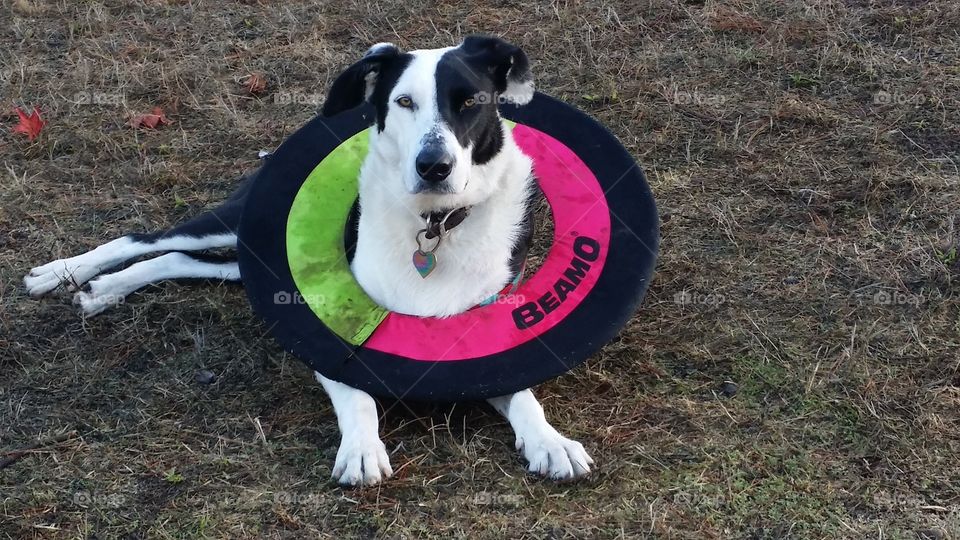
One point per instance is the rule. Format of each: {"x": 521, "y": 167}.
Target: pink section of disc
{"x": 573, "y": 265}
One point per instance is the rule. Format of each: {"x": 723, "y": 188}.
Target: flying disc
{"x": 297, "y": 276}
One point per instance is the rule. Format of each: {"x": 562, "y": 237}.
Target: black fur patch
{"x": 386, "y": 80}
{"x": 463, "y": 74}
{"x": 481, "y": 68}
{"x": 350, "y": 87}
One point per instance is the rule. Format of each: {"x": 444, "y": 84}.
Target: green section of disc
{"x": 315, "y": 252}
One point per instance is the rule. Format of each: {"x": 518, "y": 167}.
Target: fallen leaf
{"x": 151, "y": 120}
{"x": 30, "y": 124}
{"x": 256, "y": 83}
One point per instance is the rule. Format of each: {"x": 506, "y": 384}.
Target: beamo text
{"x": 586, "y": 250}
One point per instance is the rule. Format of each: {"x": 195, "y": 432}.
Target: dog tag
{"x": 424, "y": 262}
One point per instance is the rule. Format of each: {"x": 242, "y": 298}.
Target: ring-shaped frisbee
{"x": 297, "y": 277}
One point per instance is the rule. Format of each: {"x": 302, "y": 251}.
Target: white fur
{"x": 518, "y": 93}
{"x": 75, "y": 271}
{"x": 111, "y": 289}
{"x": 362, "y": 457}
{"x": 472, "y": 261}
{"x": 548, "y": 452}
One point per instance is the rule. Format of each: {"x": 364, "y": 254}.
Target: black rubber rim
{"x": 631, "y": 257}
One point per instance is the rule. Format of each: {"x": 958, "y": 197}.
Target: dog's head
{"x": 436, "y": 111}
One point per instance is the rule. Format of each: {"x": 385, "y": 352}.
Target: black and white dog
{"x": 440, "y": 158}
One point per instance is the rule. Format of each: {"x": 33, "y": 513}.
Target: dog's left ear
{"x": 357, "y": 82}
{"x": 507, "y": 64}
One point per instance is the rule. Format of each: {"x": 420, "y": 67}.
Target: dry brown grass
{"x": 804, "y": 156}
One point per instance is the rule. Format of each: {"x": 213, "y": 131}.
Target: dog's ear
{"x": 507, "y": 64}
{"x": 356, "y": 83}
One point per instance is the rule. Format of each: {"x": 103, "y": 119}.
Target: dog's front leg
{"x": 362, "y": 458}
{"x": 550, "y": 454}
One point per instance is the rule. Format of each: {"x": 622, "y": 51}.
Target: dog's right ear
{"x": 356, "y": 83}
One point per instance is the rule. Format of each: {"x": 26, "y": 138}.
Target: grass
{"x": 804, "y": 158}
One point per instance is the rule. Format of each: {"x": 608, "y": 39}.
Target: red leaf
{"x": 30, "y": 124}
{"x": 255, "y": 84}
{"x": 151, "y": 120}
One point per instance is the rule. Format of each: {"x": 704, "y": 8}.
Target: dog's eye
{"x": 469, "y": 102}
{"x": 405, "y": 102}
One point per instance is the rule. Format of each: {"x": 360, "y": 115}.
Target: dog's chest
{"x": 472, "y": 263}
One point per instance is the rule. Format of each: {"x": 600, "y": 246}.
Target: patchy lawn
{"x": 792, "y": 374}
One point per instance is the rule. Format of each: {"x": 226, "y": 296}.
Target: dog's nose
{"x": 434, "y": 165}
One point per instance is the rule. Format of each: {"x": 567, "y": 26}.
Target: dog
{"x": 443, "y": 173}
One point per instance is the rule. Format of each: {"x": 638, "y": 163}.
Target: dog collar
{"x": 441, "y": 221}
{"x": 438, "y": 225}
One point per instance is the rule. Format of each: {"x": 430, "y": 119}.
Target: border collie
{"x": 442, "y": 174}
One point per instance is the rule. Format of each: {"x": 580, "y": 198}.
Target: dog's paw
{"x": 74, "y": 272}
{"x": 361, "y": 460}
{"x": 554, "y": 456}
{"x": 102, "y": 294}
{"x": 40, "y": 284}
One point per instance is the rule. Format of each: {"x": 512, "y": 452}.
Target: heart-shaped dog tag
{"x": 424, "y": 262}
